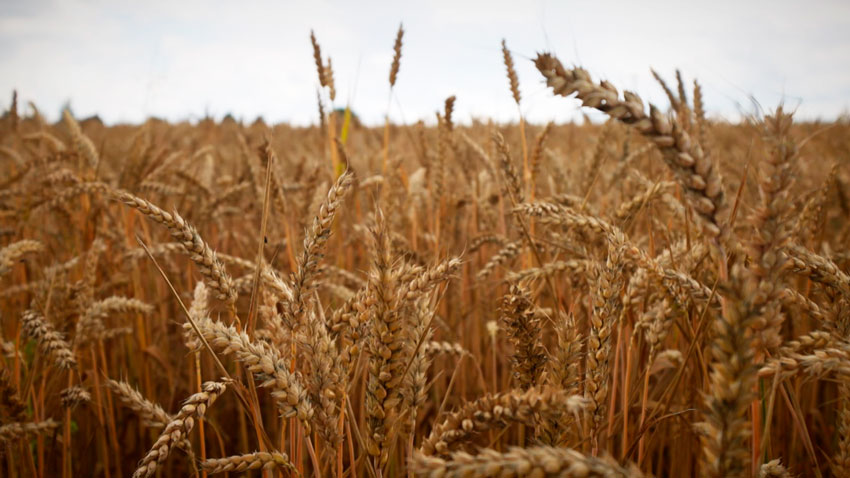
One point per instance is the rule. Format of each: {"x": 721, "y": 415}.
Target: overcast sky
{"x": 181, "y": 59}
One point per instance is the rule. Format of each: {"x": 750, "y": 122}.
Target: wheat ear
{"x": 695, "y": 170}
{"x": 178, "y": 428}
{"x": 49, "y": 340}
{"x": 531, "y": 462}
{"x": 211, "y": 268}
{"x": 15, "y": 430}
{"x": 252, "y": 461}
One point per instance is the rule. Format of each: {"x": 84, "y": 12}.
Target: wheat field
{"x": 664, "y": 294}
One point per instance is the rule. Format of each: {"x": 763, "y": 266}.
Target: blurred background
{"x": 126, "y": 61}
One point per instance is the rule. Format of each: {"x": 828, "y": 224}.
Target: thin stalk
{"x": 110, "y": 419}
{"x": 66, "y": 441}
{"x": 201, "y": 435}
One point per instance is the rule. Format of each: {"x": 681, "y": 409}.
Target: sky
{"x": 126, "y": 61}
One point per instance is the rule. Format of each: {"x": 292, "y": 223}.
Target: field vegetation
{"x": 662, "y": 294}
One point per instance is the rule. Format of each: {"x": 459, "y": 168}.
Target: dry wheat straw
{"x": 539, "y": 148}
{"x": 674, "y": 101}
{"x": 264, "y": 362}
{"x": 396, "y": 56}
{"x": 65, "y": 195}
{"x": 696, "y": 171}
{"x": 90, "y": 326}
{"x": 841, "y": 465}
{"x": 726, "y": 430}
{"x": 833, "y": 357}
{"x": 573, "y": 269}
{"x": 436, "y": 347}
{"x": 385, "y": 348}
{"x": 251, "y": 461}
{"x": 563, "y": 373}
{"x": 152, "y": 414}
{"x": 14, "y": 251}
{"x": 16, "y": 430}
{"x": 10, "y": 403}
{"x": 73, "y": 396}
{"x": 414, "y": 386}
{"x": 54, "y": 144}
{"x": 209, "y": 265}
{"x": 499, "y": 410}
{"x": 326, "y": 378}
{"x": 49, "y": 340}
{"x": 811, "y": 216}
{"x": 508, "y": 252}
{"x": 772, "y": 232}
{"x": 179, "y": 428}
{"x": 523, "y": 329}
{"x": 315, "y": 242}
{"x": 812, "y": 309}
{"x": 531, "y": 462}
{"x": 512, "y": 178}
{"x": 512, "y": 77}
{"x": 606, "y": 305}
{"x": 82, "y": 143}
{"x": 628, "y": 209}
{"x": 773, "y": 469}
{"x": 317, "y": 56}
{"x": 549, "y": 213}
{"x": 819, "y": 268}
